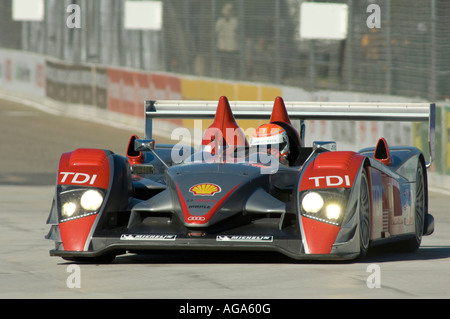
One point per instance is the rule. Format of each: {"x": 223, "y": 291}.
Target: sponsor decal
{"x": 205, "y": 189}
{"x": 77, "y": 178}
{"x": 148, "y": 237}
{"x": 205, "y": 200}
{"x": 333, "y": 180}
{"x": 196, "y": 218}
{"x": 243, "y": 238}
{"x": 199, "y": 206}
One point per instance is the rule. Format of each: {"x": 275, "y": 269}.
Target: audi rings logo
{"x": 196, "y": 218}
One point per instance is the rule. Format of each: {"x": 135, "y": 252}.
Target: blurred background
{"x": 111, "y": 55}
{"x": 409, "y": 55}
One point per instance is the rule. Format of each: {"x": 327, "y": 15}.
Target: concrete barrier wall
{"x": 117, "y": 94}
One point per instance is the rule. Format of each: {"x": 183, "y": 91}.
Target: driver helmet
{"x": 274, "y": 137}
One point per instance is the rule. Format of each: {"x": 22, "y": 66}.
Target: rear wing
{"x": 357, "y": 111}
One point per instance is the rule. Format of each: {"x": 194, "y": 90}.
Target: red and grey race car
{"x": 232, "y": 194}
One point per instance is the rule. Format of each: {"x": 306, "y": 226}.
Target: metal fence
{"x": 409, "y": 55}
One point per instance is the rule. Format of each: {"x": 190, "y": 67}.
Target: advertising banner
{"x": 55, "y": 81}
{"x": 76, "y": 84}
{"x": 127, "y": 90}
{"x": 22, "y": 72}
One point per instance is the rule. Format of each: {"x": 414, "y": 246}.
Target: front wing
{"x": 291, "y": 246}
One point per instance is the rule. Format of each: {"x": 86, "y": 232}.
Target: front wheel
{"x": 364, "y": 215}
{"x": 420, "y": 209}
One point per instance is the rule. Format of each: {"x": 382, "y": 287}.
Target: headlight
{"x": 312, "y": 202}
{"x": 68, "y": 209}
{"x": 333, "y": 211}
{"x": 91, "y": 200}
{"x": 78, "y": 202}
{"x": 325, "y": 205}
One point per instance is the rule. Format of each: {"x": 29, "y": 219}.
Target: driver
{"x": 273, "y": 139}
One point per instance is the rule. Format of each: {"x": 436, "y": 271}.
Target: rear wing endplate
{"x": 357, "y": 111}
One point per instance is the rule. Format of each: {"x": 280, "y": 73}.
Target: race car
{"x": 234, "y": 193}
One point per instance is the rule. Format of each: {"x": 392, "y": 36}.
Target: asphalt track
{"x": 31, "y": 142}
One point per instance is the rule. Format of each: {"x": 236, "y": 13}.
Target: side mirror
{"x": 144, "y": 145}
{"x": 327, "y": 145}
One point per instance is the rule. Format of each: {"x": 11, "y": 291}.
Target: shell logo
{"x": 205, "y": 189}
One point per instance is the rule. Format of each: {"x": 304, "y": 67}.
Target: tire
{"x": 413, "y": 244}
{"x": 364, "y": 215}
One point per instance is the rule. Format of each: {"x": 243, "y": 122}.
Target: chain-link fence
{"x": 408, "y": 55}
